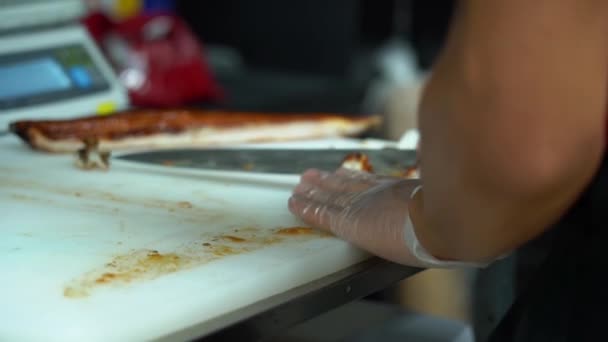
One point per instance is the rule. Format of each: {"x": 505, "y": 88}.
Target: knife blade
{"x": 280, "y": 161}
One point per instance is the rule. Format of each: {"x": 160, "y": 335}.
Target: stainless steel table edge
{"x": 279, "y": 312}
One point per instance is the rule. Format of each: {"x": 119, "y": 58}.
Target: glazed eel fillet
{"x": 142, "y": 129}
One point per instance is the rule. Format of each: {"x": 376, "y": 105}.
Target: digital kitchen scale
{"x": 54, "y": 72}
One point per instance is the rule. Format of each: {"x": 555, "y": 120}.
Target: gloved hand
{"x": 365, "y": 209}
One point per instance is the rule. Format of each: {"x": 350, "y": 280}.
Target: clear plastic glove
{"x": 367, "y": 210}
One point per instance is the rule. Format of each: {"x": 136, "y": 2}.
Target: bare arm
{"x": 512, "y": 123}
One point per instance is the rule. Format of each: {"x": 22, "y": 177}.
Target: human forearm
{"x": 510, "y": 137}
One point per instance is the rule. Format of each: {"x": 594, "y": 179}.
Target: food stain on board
{"x": 148, "y": 264}
{"x": 295, "y": 231}
{"x": 27, "y": 198}
{"x": 185, "y": 205}
{"x": 122, "y": 269}
{"x": 233, "y": 238}
{"x": 92, "y": 194}
{"x": 299, "y": 231}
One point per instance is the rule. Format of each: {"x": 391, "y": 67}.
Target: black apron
{"x": 567, "y": 298}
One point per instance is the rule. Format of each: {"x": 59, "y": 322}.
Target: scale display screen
{"x": 17, "y": 79}
{"x": 35, "y": 77}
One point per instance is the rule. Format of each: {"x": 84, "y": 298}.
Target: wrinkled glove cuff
{"x": 424, "y": 257}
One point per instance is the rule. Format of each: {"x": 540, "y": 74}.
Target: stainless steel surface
{"x": 273, "y": 315}
{"x": 385, "y": 161}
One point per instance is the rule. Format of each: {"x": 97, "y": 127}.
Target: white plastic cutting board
{"x": 133, "y": 254}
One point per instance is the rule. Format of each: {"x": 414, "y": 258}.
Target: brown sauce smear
{"x": 299, "y": 231}
{"x": 146, "y": 264}
{"x": 185, "y": 205}
{"x": 233, "y": 238}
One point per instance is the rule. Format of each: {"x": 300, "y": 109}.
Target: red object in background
{"x": 157, "y": 58}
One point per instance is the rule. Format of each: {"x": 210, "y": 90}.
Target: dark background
{"x": 312, "y": 55}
